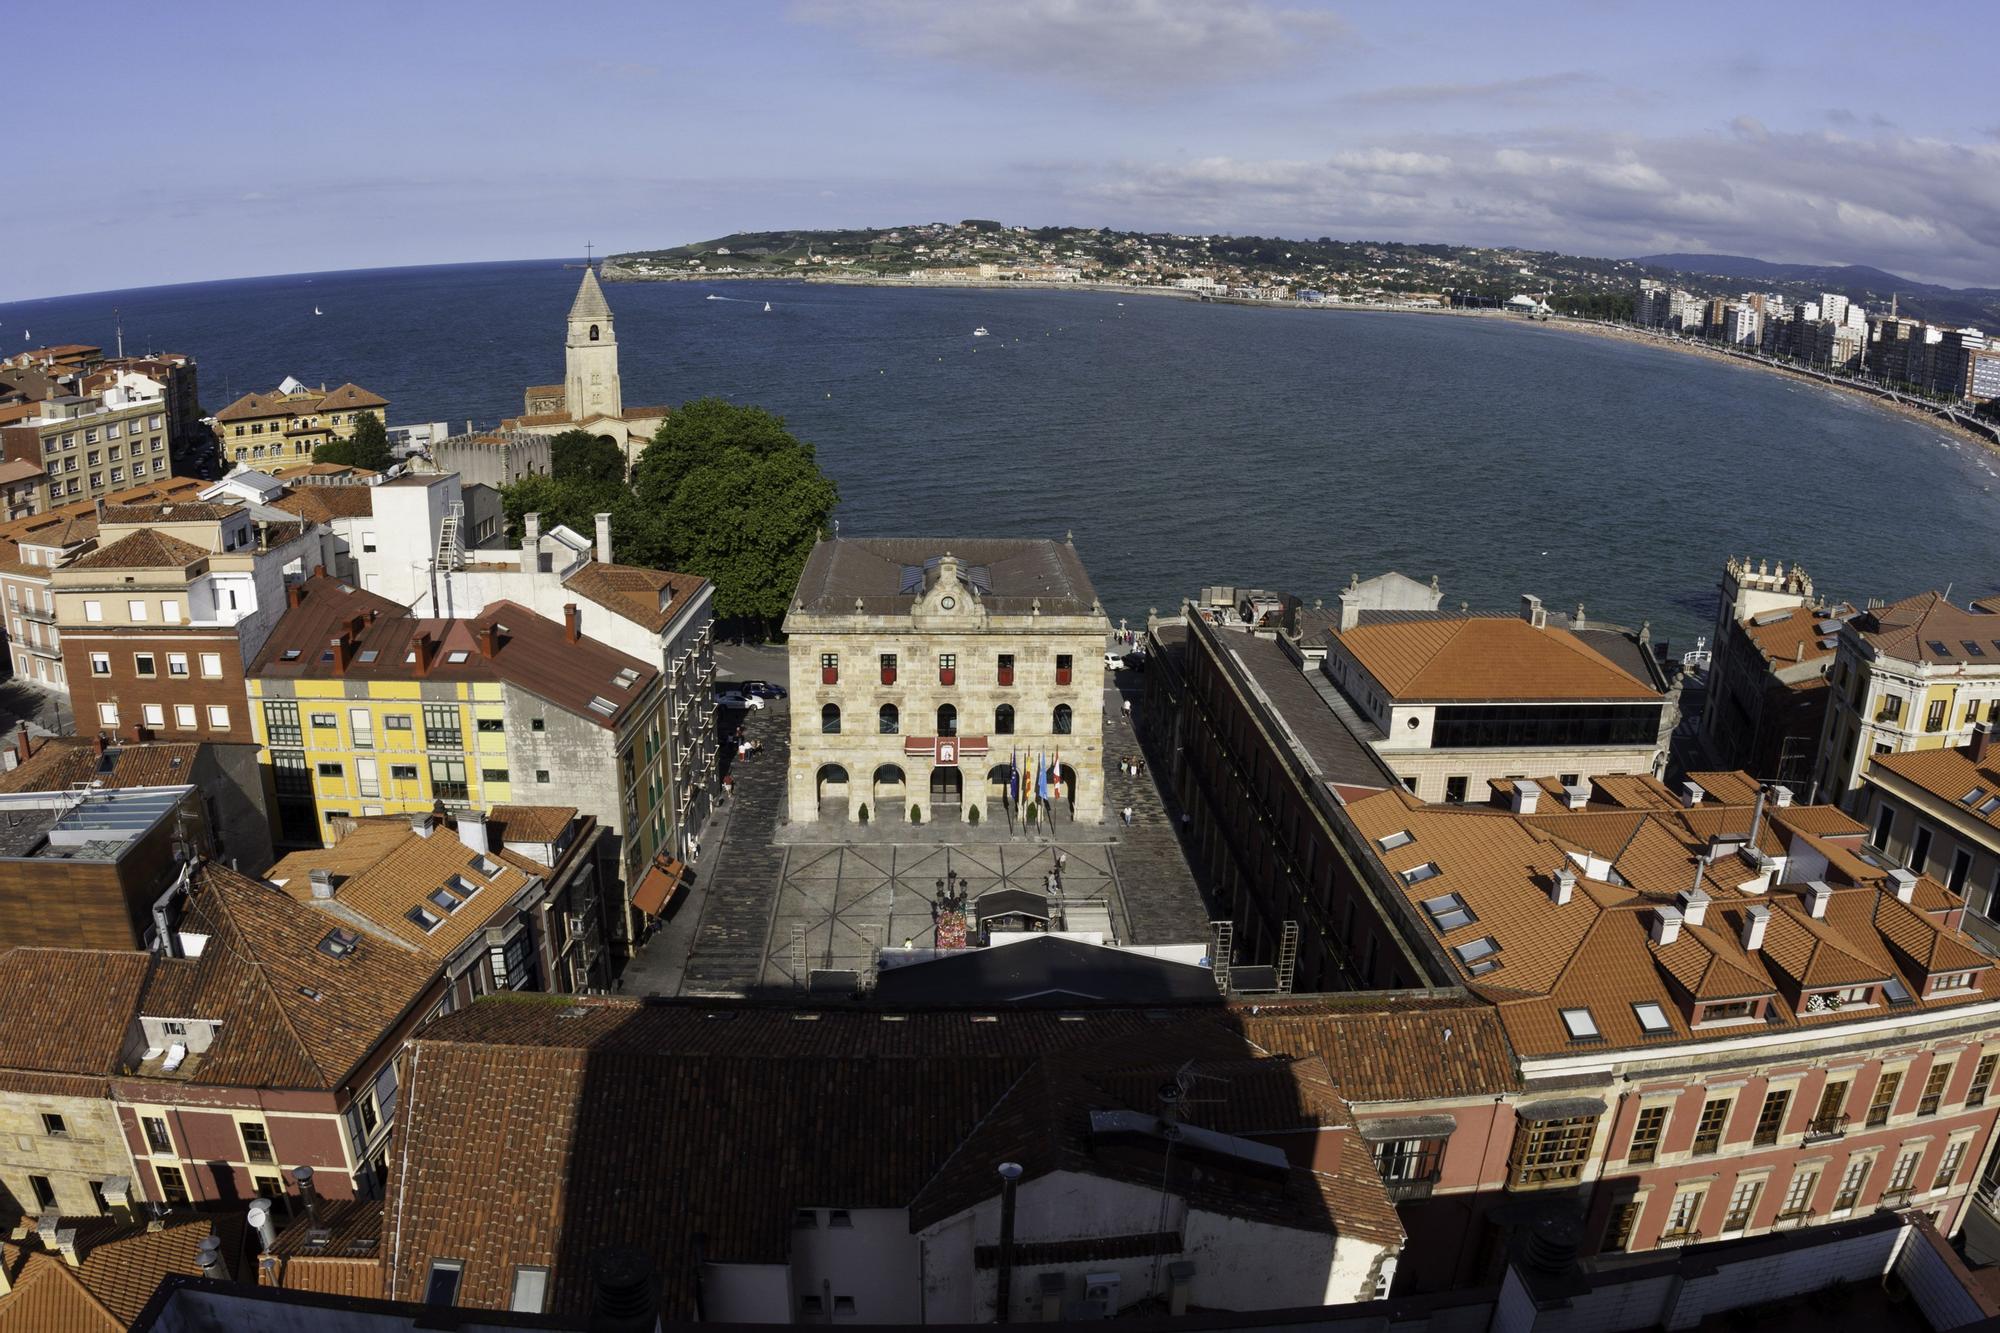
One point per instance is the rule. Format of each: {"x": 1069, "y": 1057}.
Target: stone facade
{"x": 59, "y": 1137}
{"x": 590, "y": 398}
{"x": 920, "y": 704}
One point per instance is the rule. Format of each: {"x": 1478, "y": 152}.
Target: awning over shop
{"x": 663, "y": 882}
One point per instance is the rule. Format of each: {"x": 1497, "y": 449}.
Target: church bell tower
{"x": 590, "y": 356}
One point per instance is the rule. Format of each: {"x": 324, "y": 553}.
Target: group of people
{"x": 1132, "y": 767}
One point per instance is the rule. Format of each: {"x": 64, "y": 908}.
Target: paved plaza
{"x": 772, "y": 904}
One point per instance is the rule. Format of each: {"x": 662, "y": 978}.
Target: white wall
{"x": 873, "y": 1261}
{"x": 746, "y": 1293}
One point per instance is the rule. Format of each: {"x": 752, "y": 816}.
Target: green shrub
{"x": 862, "y": 814}
{"x": 916, "y": 814}
{"x": 972, "y": 815}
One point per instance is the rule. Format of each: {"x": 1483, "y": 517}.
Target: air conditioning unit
{"x": 1100, "y": 1296}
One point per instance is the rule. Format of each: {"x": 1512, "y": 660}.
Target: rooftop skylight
{"x": 1400, "y": 838}
{"x": 339, "y": 943}
{"x": 1477, "y": 955}
{"x": 600, "y": 704}
{"x": 1448, "y": 912}
{"x": 1580, "y": 1024}
{"x": 1652, "y": 1018}
{"x": 1418, "y": 874}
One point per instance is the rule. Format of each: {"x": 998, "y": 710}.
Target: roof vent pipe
{"x": 307, "y": 1194}
{"x": 260, "y": 1222}
{"x": 1010, "y": 1178}
{"x": 213, "y": 1265}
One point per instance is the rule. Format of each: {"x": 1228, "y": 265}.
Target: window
{"x": 1006, "y": 668}
{"x": 1892, "y": 708}
{"x": 442, "y": 1289}
{"x": 448, "y": 779}
{"x": 1708, "y": 1130}
{"x": 1934, "y": 1089}
{"x": 1884, "y": 1100}
{"x": 218, "y": 717}
{"x": 1828, "y": 1117}
{"x": 1742, "y": 1204}
{"x": 839, "y": 1217}
{"x": 135, "y": 610}
{"x": 53, "y": 1126}
{"x": 1920, "y": 849}
{"x": 442, "y": 727}
{"x": 1618, "y": 1235}
{"x": 426, "y": 919}
{"x": 888, "y": 668}
{"x": 947, "y": 668}
{"x": 173, "y": 1189}
{"x": 157, "y": 1139}
{"x": 1681, "y": 1218}
{"x": 45, "y": 1193}
{"x": 281, "y": 723}
{"x": 1409, "y": 1161}
{"x": 1477, "y": 956}
{"x": 1982, "y": 1080}
{"x": 1454, "y": 788}
{"x": 541, "y": 775}
{"x": 100, "y": 664}
{"x": 1448, "y": 912}
{"x": 1723, "y": 1011}
{"x": 1947, "y": 1172}
{"x": 490, "y": 725}
{"x": 531, "y": 1287}
{"x": 401, "y": 722}
{"x": 332, "y": 770}
{"x": 1551, "y": 1152}
{"x": 1652, "y": 1018}
{"x": 93, "y": 610}
{"x": 1771, "y": 1118}
{"x": 493, "y": 775}
{"x": 888, "y": 720}
{"x": 829, "y": 668}
{"x": 829, "y": 720}
{"x": 1062, "y": 720}
{"x": 947, "y": 720}
{"x": 107, "y": 714}
{"x": 1003, "y": 720}
{"x": 1646, "y": 1135}
{"x": 1934, "y": 716}
{"x": 402, "y": 772}
{"x": 1063, "y": 668}
{"x": 1798, "y": 1195}
{"x": 1581, "y": 1026}
{"x": 177, "y": 665}
{"x": 144, "y": 664}
{"x": 211, "y": 666}
{"x": 155, "y": 715}
{"x": 1904, "y": 1173}
{"x": 256, "y": 1142}
{"x": 327, "y": 720}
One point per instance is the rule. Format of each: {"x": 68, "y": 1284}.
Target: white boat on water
{"x": 318, "y": 311}
{"x": 711, "y": 297}
{"x": 979, "y": 332}
{"x": 767, "y": 307}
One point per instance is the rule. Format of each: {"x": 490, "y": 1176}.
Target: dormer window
{"x": 1943, "y": 982}
{"x": 1829, "y": 1001}
{"x": 1729, "y": 1011}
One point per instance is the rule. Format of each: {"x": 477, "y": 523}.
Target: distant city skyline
{"x": 227, "y": 144}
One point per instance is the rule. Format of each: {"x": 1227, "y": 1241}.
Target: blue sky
{"x": 217, "y": 140}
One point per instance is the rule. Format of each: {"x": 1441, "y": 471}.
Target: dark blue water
{"x": 1183, "y": 444}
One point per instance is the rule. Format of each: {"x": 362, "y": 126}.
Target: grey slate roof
{"x": 1017, "y": 571}
{"x": 590, "y": 302}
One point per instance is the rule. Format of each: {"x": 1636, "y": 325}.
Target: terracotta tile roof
{"x": 324, "y": 504}
{"x": 262, "y": 406}
{"x": 170, "y": 511}
{"x": 1950, "y": 776}
{"x": 536, "y": 419}
{"x": 292, "y": 1015}
{"x": 283, "y": 470}
{"x": 647, "y": 597}
{"x": 1790, "y": 636}
{"x": 1927, "y": 629}
{"x": 121, "y": 1265}
{"x": 1390, "y": 1050}
{"x": 69, "y": 1010}
{"x": 569, "y": 1095}
{"x": 66, "y": 525}
{"x": 531, "y": 823}
{"x": 530, "y": 652}
{"x": 1595, "y": 952}
{"x": 379, "y": 883}
{"x": 61, "y": 762}
{"x": 145, "y": 549}
{"x": 1727, "y": 788}
{"x": 345, "y": 1261}
{"x": 350, "y": 396}
{"x": 1478, "y": 658}
{"x": 1634, "y": 791}
{"x": 16, "y": 470}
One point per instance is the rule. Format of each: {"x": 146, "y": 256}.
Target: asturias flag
{"x": 1013, "y": 778}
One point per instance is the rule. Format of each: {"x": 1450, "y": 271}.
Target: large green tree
{"x": 725, "y": 491}
{"x": 368, "y": 447}
{"x": 577, "y": 455}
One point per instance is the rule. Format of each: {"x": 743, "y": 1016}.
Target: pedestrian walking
{"x": 1128, "y": 710}
{"x": 1128, "y": 816}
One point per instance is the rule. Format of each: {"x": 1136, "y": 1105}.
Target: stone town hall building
{"x": 921, "y": 668}
{"x": 590, "y": 397}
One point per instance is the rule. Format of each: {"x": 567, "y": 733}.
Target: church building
{"x": 589, "y": 398}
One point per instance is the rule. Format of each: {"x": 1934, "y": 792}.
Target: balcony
{"x": 36, "y": 613}
{"x": 1824, "y": 1129}
{"x": 1680, "y": 1236}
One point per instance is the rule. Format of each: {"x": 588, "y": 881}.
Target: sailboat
{"x": 318, "y": 311}
{"x": 979, "y": 332}
{"x": 767, "y": 307}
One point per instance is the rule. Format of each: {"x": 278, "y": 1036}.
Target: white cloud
{"x": 1925, "y": 207}
{"x": 1149, "y": 47}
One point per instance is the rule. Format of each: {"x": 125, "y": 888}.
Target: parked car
{"x": 1113, "y": 661}
{"x": 737, "y": 699}
{"x": 764, "y": 689}
{"x": 1135, "y": 661}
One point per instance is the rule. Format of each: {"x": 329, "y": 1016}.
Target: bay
{"x": 1183, "y": 444}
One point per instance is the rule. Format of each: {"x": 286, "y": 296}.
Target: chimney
{"x": 572, "y": 622}
{"x": 307, "y": 1194}
{"x": 1694, "y": 905}
{"x": 295, "y": 593}
{"x": 1904, "y": 882}
{"x": 1781, "y": 795}
{"x": 213, "y": 1265}
{"x": 343, "y": 652}
{"x": 1577, "y": 796}
{"x": 1527, "y": 795}
{"x": 1691, "y": 794}
{"x": 1755, "y": 918}
{"x": 260, "y": 1222}
{"x": 1010, "y": 1177}
{"x": 1982, "y": 741}
{"x": 118, "y": 1196}
{"x": 488, "y": 637}
{"x": 472, "y": 831}
{"x": 1532, "y": 612}
{"x": 1818, "y": 894}
{"x": 531, "y": 543}
{"x": 319, "y": 571}
{"x": 420, "y": 824}
{"x": 322, "y": 883}
{"x": 103, "y": 742}
{"x": 1562, "y": 885}
{"x": 66, "y": 1245}
{"x": 50, "y": 1221}
{"x": 426, "y": 649}
{"x": 604, "y": 538}
{"x": 24, "y": 745}
{"x": 1666, "y": 924}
